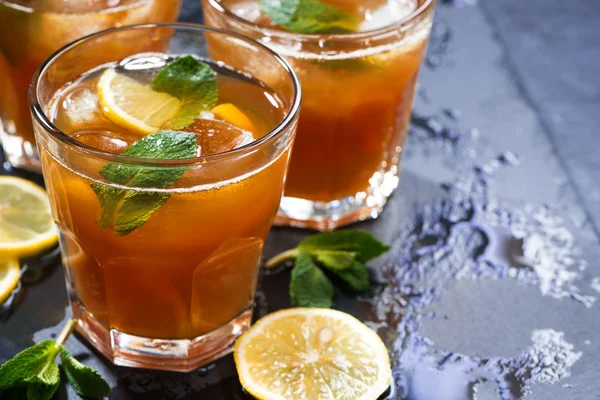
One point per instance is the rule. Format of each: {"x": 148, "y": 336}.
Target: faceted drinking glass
{"x": 176, "y": 292}
{"x": 358, "y": 92}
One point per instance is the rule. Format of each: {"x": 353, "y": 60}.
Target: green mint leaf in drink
{"x": 125, "y": 210}
{"x": 335, "y": 260}
{"x": 191, "y": 81}
{"x": 356, "y": 275}
{"x": 363, "y": 243}
{"x": 27, "y": 364}
{"x": 44, "y": 384}
{"x": 309, "y": 16}
{"x": 86, "y": 381}
{"x": 309, "y": 287}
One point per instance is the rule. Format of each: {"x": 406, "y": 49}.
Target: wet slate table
{"x": 524, "y": 74}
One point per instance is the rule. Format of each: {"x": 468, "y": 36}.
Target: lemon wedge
{"x": 312, "y": 353}
{"x": 230, "y": 113}
{"x": 10, "y": 272}
{"x": 133, "y": 105}
{"x": 26, "y": 225}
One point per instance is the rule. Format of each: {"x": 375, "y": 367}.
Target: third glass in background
{"x": 358, "y": 91}
{"x": 30, "y": 31}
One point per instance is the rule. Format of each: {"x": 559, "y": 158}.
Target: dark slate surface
{"x": 525, "y": 74}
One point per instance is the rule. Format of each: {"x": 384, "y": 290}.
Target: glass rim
{"x": 41, "y": 117}
{"x": 333, "y": 37}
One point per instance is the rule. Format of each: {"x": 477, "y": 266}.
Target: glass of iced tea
{"x": 164, "y": 149}
{"x": 358, "y": 61}
{"x": 31, "y": 30}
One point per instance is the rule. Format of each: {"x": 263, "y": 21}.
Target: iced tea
{"x": 358, "y": 90}
{"x": 31, "y": 30}
{"x": 174, "y": 291}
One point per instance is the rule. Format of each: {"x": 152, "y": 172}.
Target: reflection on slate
{"x": 486, "y": 292}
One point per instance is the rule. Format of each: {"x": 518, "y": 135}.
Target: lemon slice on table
{"x": 312, "y": 353}
{"x": 10, "y": 272}
{"x": 26, "y": 225}
{"x": 133, "y": 105}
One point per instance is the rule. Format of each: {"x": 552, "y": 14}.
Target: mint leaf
{"x": 191, "y": 81}
{"x": 356, "y": 275}
{"x": 334, "y": 259}
{"x": 85, "y": 380}
{"x": 366, "y": 245}
{"x": 309, "y": 16}
{"x": 126, "y": 210}
{"x": 309, "y": 287}
{"x": 43, "y": 385}
{"x": 26, "y": 365}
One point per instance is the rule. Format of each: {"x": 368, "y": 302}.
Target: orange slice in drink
{"x": 230, "y": 113}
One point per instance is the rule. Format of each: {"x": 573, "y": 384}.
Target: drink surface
{"x": 373, "y": 14}
{"x": 31, "y": 30}
{"x": 357, "y": 97}
{"x": 192, "y": 267}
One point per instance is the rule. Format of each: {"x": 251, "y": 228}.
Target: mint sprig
{"x": 342, "y": 253}
{"x": 85, "y": 380}
{"x": 309, "y": 16}
{"x": 309, "y": 287}
{"x": 191, "y": 81}
{"x": 33, "y": 375}
{"x": 125, "y": 210}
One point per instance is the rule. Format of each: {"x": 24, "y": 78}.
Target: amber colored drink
{"x": 358, "y": 91}
{"x": 175, "y": 292}
{"x": 31, "y": 30}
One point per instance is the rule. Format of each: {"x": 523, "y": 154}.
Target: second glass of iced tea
{"x": 165, "y": 160}
{"x": 358, "y": 91}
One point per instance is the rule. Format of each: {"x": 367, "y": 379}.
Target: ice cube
{"x": 214, "y": 136}
{"x": 247, "y": 10}
{"x": 388, "y": 14}
{"x": 81, "y": 105}
{"x": 112, "y": 142}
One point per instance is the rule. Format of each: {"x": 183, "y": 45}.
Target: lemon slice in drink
{"x": 133, "y": 105}
{"x": 312, "y": 353}
{"x": 26, "y": 225}
{"x": 10, "y": 272}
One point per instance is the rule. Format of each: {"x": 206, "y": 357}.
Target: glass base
{"x": 327, "y": 216}
{"x": 18, "y": 152}
{"x": 182, "y": 355}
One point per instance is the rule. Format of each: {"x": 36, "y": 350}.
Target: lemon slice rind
{"x": 10, "y": 272}
{"x": 33, "y": 242}
{"x": 133, "y": 105}
{"x": 352, "y": 330}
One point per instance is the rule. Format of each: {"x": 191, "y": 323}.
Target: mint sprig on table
{"x": 342, "y": 253}
{"x": 309, "y": 16}
{"x": 194, "y": 83}
{"x": 191, "y": 81}
{"x": 33, "y": 375}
